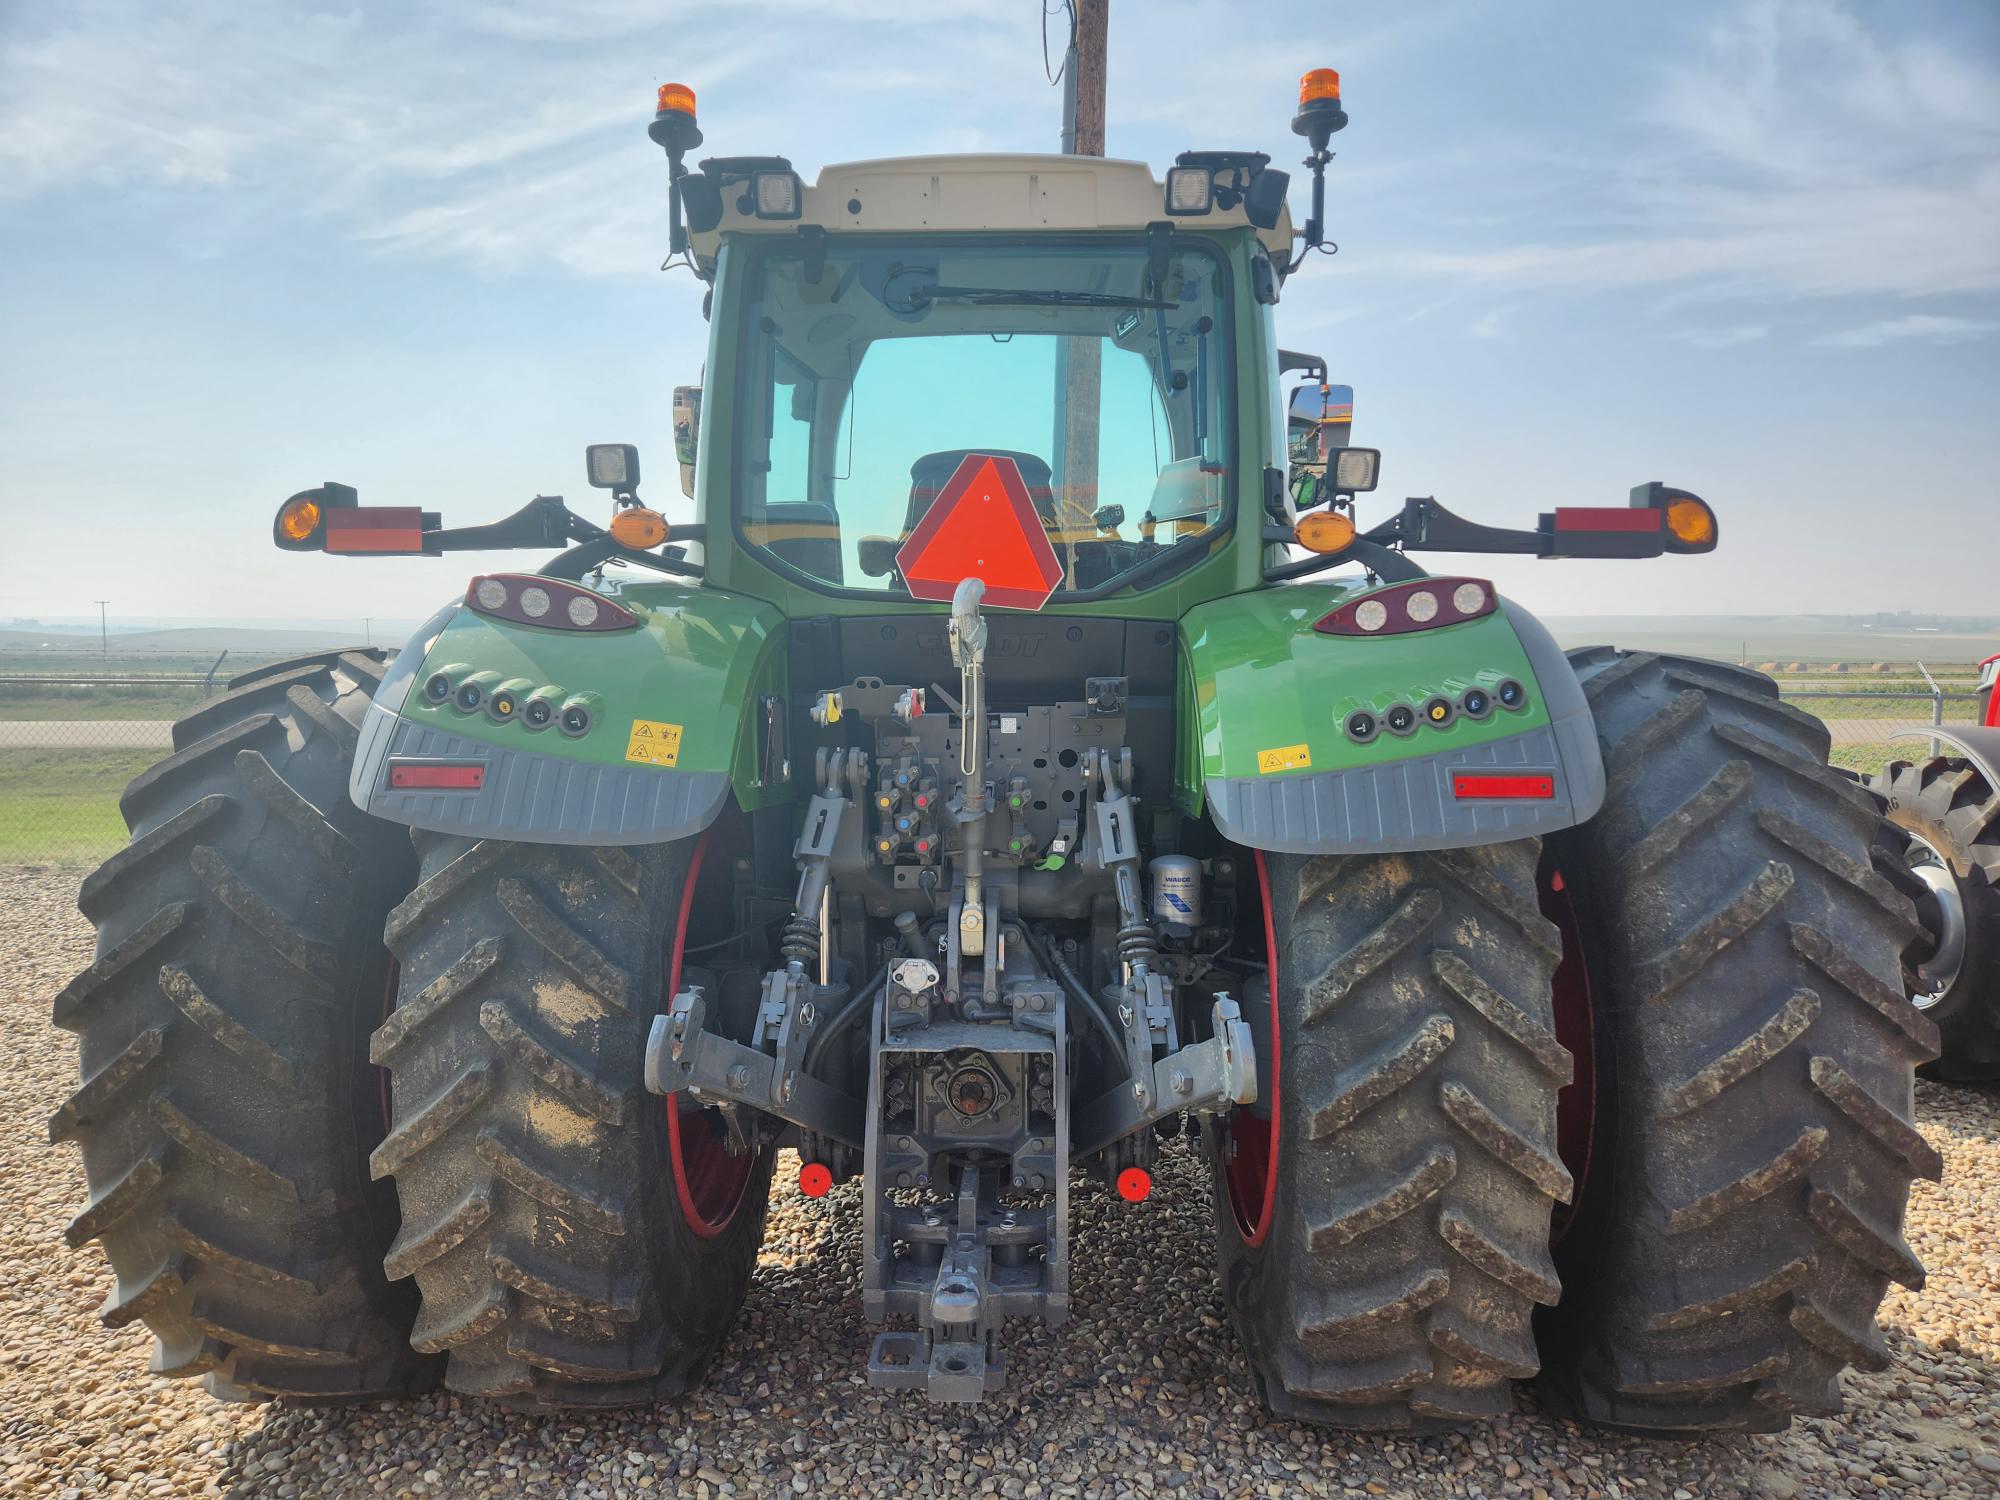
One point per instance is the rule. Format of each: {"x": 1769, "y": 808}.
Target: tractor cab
{"x": 1063, "y": 314}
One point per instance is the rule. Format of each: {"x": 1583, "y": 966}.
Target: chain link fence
{"x": 68, "y": 746}
{"x": 70, "y": 741}
{"x": 1864, "y": 721}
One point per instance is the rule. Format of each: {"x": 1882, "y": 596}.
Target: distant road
{"x": 86, "y": 734}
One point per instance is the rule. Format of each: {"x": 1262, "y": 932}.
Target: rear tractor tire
{"x": 1383, "y": 1211}
{"x": 574, "y": 1246}
{"x": 1950, "y": 815}
{"x": 1753, "y": 1149}
{"x": 227, "y": 1106}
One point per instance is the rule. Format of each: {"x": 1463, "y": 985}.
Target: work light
{"x": 1190, "y": 190}
{"x": 1356, "y": 469}
{"x": 775, "y": 194}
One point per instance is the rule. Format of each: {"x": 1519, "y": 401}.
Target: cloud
{"x": 1491, "y": 325}
{"x": 506, "y": 136}
{"x": 1927, "y": 327}
{"x": 1722, "y": 338}
{"x": 1796, "y": 154}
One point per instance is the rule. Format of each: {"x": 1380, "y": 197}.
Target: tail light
{"x": 531, "y": 599}
{"x": 1423, "y": 605}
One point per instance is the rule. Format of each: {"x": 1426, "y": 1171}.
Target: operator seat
{"x": 930, "y": 474}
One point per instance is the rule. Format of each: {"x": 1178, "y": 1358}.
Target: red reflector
{"x": 1474, "y": 786}
{"x": 437, "y": 778}
{"x": 374, "y": 528}
{"x": 982, "y": 525}
{"x": 1134, "y": 1183}
{"x": 1607, "y": 518}
{"x": 815, "y": 1179}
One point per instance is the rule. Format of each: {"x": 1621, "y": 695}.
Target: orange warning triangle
{"x": 982, "y": 525}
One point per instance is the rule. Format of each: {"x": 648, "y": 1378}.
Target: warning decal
{"x": 653, "y": 743}
{"x": 1284, "y": 758}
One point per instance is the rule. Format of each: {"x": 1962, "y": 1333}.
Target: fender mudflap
{"x": 527, "y": 795}
{"x": 1413, "y": 804}
{"x": 1472, "y": 783}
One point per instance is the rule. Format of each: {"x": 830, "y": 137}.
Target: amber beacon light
{"x": 1320, "y": 83}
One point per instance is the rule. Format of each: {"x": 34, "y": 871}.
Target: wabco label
{"x": 1284, "y": 758}
{"x": 653, "y": 743}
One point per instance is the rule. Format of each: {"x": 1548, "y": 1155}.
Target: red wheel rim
{"x": 708, "y": 1179}
{"x": 1576, "y": 1104}
{"x": 1252, "y": 1169}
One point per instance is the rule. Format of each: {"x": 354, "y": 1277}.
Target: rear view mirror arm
{"x": 1426, "y": 526}
{"x": 546, "y": 521}
{"x": 543, "y": 522}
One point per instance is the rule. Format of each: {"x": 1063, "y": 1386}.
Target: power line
{"x": 1056, "y": 76}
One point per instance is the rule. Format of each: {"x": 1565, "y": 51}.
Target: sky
{"x": 1748, "y": 247}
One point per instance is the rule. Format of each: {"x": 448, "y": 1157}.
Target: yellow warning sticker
{"x": 1284, "y": 758}
{"x": 653, "y": 743}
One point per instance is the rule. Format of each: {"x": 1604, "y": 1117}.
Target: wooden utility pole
{"x": 1085, "y": 127}
{"x": 1079, "y": 369}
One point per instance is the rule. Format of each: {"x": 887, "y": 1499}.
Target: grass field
{"x": 35, "y": 701}
{"x": 60, "y": 807}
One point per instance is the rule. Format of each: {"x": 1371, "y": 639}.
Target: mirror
{"x": 1318, "y": 421}
{"x": 687, "y": 432}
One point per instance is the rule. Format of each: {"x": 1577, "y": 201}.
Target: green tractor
{"x": 1017, "y": 764}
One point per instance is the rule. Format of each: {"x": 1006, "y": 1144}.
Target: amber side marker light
{"x": 1324, "y": 531}
{"x": 299, "y": 519}
{"x": 638, "y": 528}
{"x": 1691, "y": 522}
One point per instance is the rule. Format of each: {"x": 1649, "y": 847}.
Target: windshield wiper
{"x": 1000, "y": 296}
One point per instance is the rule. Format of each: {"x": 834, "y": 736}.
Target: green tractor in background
{"x": 1023, "y": 758}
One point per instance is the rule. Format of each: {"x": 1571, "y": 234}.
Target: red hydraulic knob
{"x": 1134, "y": 1183}
{"x": 815, "y": 1179}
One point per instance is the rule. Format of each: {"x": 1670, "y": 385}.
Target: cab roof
{"x": 959, "y": 193}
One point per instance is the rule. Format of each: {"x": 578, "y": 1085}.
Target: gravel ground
{"x": 1143, "y": 1393}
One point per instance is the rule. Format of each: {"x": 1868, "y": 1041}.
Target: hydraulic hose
{"x": 816, "y": 1048}
{"x": 1067, "y": 977}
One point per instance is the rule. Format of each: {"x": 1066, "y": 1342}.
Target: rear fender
{"x": 1265, "y": 749}
{"x": 684, "y": 710}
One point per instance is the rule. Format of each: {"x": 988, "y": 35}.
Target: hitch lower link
{"x": 683, "y": 1055}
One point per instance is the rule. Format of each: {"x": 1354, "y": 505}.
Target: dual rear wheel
{"x": 258, "y": 1066}
{"x": 1632, "y": 1112}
